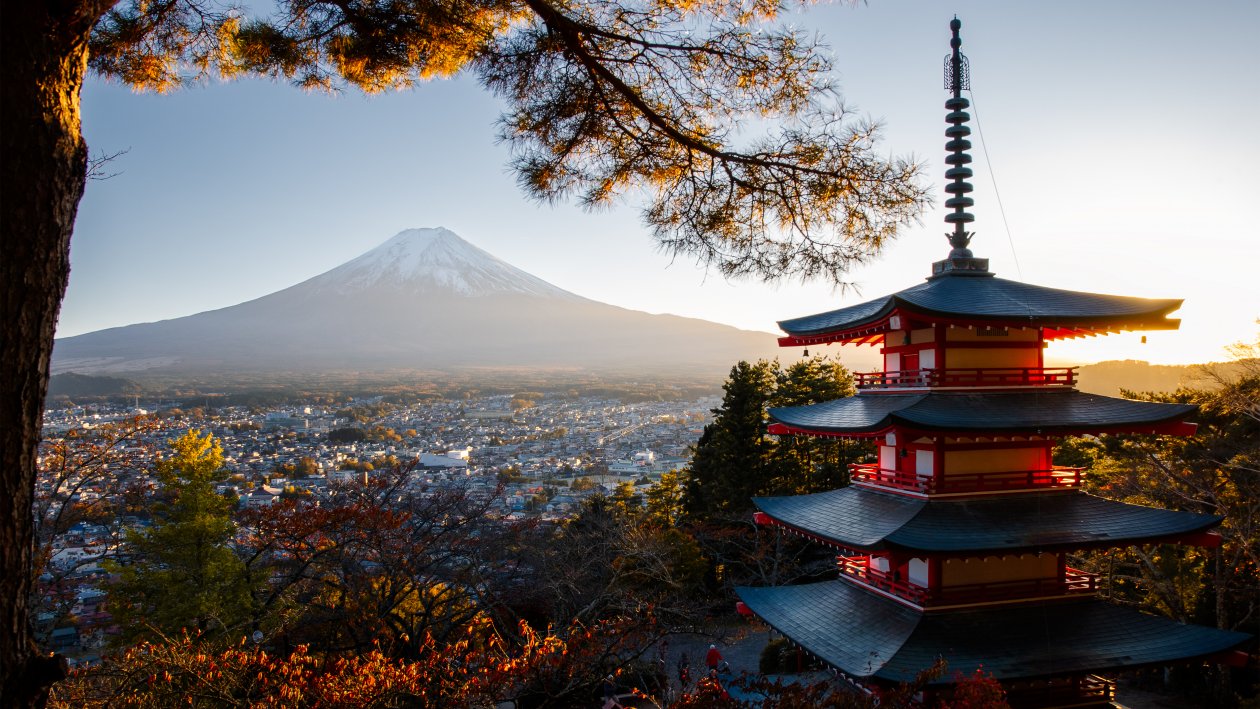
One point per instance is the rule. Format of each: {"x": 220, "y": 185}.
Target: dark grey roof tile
{"x": 994, "y": 299}
{"x": 851, "y": 517}
{"x": 1047, "y": 412}
{"x": 865, "y": 635}
{"x": 859, "y": 518}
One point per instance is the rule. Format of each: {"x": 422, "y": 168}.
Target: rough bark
{"x": 43, "y": 159}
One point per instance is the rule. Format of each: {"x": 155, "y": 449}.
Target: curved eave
{"x": 1071, "y": 333}
{"x": 849, "y": 518}
{"x": 872, "y": 333}
{"x": 865, "y": 520}
{"x": 1063, "y": 412}
{"x": 990, "y": 302}
{"x": 873, "y": 314}
{"x": 867, "y": 636}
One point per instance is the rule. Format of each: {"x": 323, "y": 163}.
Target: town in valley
{"x": 540, "y": 457}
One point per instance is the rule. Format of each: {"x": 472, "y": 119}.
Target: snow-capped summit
{"x": 433, "y": 260}
{"x": 425, "y": 299}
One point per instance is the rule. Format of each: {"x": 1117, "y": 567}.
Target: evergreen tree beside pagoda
{"x": 735, "y": 460}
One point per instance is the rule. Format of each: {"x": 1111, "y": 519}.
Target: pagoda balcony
{"x": 1074, "y": 583}
{"x": 1089, "y": 690}
{"x": 858, "y": 568}
{"x": 1057, "y": 477}
{"x": 968, "y": 378}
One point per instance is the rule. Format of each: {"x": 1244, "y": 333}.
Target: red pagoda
{"x": 954, "y": 544}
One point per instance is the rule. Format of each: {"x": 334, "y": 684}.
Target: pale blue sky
{"x": 1122, "y": 135}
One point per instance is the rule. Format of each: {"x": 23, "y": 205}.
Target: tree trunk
{"x": 1223, "y": 685}
{"x": 43, "y": 162}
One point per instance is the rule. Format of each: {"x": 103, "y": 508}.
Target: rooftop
{"x": 864, "y": 519}
{"x": 865, "y": 635}
{"x": 963, "y": 298}
{"x": 1043, "y": 412}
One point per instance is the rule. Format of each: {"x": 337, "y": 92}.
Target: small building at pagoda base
{"x": 953, "y": 545}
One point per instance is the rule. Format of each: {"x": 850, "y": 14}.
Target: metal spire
{"x": 958, "y": 78}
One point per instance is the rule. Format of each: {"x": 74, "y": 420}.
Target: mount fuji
{"x": 424, "y": 300}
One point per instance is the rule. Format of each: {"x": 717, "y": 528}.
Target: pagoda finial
{"x": 957, "y": 80}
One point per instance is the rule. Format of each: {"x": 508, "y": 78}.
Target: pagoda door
{"x": 910, "y": 366}
{"x": 910, "y": 362}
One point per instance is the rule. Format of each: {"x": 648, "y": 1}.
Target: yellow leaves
{"x": 193, "y": 456}
{"x": 152, "y": 72}
{"x": 742, "y": 12}
{"x": 380, "y": 51}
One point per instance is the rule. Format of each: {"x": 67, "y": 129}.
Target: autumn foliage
{"x": 480, "y": 669}
{"x": 539, "y": 670}
{"x": 978, "y": 690}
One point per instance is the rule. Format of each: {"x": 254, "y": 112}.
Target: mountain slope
{"x": 430, "y": 261}
{"x": 425, "y": 299}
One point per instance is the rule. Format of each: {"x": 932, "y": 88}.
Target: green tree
{"x": 625, "y": 499}
{"x": 347, "y": 435}
{"x": 807, "y": 464}
{"x": 1215, "y": 471}
{"x": 604, "y": 97}
{"x": 664, "y": 500}
{"x": 306, "y": 467}
{"x": 735, "y": 460}
{"x": 811, "y": 381}
{"x": 510, "y": 474}
{"x": 734, "y": 457}
{"x": 182, "y": 572}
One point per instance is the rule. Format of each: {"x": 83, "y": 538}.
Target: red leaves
{"x": 979, "y": 690}
{"x": 474, "y": 671}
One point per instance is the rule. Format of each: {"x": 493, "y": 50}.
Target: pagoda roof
{"x": 988, "y": 413}
{"x": 967, "y": 297}
{"x": 868, "y": 636}
{"x": 860, "y": 518}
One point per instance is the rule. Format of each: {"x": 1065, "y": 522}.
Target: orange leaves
{"x": 458, "y": 674}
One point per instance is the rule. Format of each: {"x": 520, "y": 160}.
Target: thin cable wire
{"x": 993, "y": 179}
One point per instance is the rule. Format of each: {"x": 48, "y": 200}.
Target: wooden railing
{"x": 1095, "y": 687}
{"x": 1056, "y": 477}
{"x": 872, "y": 473}
{"x": 981, "y": 377}
{"x": 1072, "y": 691}
{"x": 1074, "y": 583}
{"x": 859, "y": 568}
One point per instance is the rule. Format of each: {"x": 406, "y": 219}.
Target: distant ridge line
{"x": 423, "y": 299}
